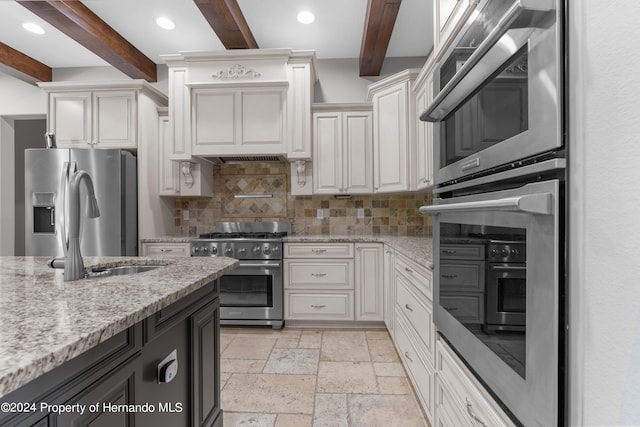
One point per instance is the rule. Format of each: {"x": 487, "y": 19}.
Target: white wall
{"x": 604, "y": 213}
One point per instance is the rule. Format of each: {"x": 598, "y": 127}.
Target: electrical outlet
{"x": 320, "y": 214}
{"x": 185, "y": 215}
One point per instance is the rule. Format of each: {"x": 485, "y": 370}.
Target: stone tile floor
{"x": 314, "y": 377}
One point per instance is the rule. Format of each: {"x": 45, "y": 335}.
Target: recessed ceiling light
{"x": 306, "y": 17}
{"x": 34, "y": 28}
{"x": 165, "y": 23}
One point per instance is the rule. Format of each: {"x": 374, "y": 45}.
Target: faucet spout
{"x": 73, "y": 264}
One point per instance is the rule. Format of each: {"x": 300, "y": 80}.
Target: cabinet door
{"x": 368, "y": 281}
{"x": 115, "y": 388}
{"x": 357, "y": 153}
{"x": 424, "y": 137}
{"x": 70, "y": 118}
{"x": 115, "y": 119}
{"x": 205, "y": 365}
{"x": 327, "y": 136}
{"x": 165, "y": 249}
{"x": 262, "y": 119}
{"x": 299, "y": 99}
{"x": 391, "y": 139}
{"x": 168, "y": 178}
{"x": 389, "y": 287}
{"x": 214, "y": 119}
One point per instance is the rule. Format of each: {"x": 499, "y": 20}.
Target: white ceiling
{"x": 336, "y": 32}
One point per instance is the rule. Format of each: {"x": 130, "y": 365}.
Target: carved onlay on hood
{"x": 237, "y": 71}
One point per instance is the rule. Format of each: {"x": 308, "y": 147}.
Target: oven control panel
{"x": 237, "y": 249}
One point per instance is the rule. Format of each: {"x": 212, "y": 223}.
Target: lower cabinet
{"x": 162, "y": 371}
{"x": 333, "y": 282}
{"x": 165, "y": 249}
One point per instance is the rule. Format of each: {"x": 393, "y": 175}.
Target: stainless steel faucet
{"x": 73, "y": 264}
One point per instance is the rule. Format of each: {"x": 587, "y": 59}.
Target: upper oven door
{"x": 498, "y": 89}
{"x": 520, "y": 365}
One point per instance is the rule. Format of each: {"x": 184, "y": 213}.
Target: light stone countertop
{"x": 45, "y": 321}
{"x": 168, "y": 239}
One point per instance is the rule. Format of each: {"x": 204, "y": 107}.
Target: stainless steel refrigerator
{"x": 114, "y": 175}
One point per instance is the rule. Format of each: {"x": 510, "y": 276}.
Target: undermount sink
{"x": 119, "y": 270}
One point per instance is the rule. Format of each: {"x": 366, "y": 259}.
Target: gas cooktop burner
{"x": 243, "y": 235}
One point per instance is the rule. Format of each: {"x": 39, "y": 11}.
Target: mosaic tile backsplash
{"x": 395, "y": 214}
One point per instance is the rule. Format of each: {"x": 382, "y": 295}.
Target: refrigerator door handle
{"x": 61, "y": 217}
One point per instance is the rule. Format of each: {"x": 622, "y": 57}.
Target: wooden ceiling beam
{"x": 378, "y": 27}
{"x": 228, "y": 22}
{"x": 23, "y": 67}
{"x": 85, "y": 27}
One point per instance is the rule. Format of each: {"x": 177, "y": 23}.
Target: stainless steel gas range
{"x": 253, "y": 293}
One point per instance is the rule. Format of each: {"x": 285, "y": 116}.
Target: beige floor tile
{"x": 225, "y": 340}
{"x": 393, "y": 385}
{"x": 344, "y": 346}
{"x": 331, "y": 411}
{"x": 231, "y": 419}
{"x": 310, "y": 339}
{"x": 292, "y": 361}
{"x": 269, "y": 393}
{"x": 249, "y": 347}
{"x": 291, "y": 420}
{"x": 382, "y": 351}
{"x": 346, "y": 377}
{"x": 389, "y": 369}
{"x": 224, "y": 376}
{"x": 384, "y": 411}
{"x": 378, "y": 334}
{"x": 242, "y": 365}
{"x": 287, "y": 342}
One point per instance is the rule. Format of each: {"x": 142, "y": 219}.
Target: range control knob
{"x": 196, "y": 250}
{"x": 266, "y": 249}
{"x": 504, "y": 253}
{"x": 228, "y": 251}
{"x": 214, "y": 250}
{"x": 495, "y": 253}
{"x": 275, "y": 249}
{"x": 515, "y": 252}
{"x": 205, "y": 250}
{"x": 256, "y": 250}
{"x": 242, "y": 251}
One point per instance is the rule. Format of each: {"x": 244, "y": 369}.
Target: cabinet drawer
{"x": 318, "y": 306}
{"x": 461, "y": 251}
{"x": 463, "y": 276}
{"x": 420, "y": 372}
{"x": 419, "y": 313}
{"x": 419, "y": 276}
{"x": 165, "y": 249}
{"x": 465, "y": 308}
{"x": 328, "y": 274}
{"x": 459, "y": 394}
{"x": 318, "y": 250}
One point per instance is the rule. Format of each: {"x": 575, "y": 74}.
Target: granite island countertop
{"x": 45, "y": 321}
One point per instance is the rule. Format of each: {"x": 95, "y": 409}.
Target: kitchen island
{"x": 51, "y": 330}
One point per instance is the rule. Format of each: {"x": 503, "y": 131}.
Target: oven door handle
{"x": 530, "y": 203}
{"x": 522, "y": 19}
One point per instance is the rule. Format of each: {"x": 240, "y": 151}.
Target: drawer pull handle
{"x": 449, "y": 276}
{"x": 406, "y": 354}
{"x": 317, "y": 307}
{"x": 318, "y": 251}
{"x": 449, "y": 251}
{"x": 166, "y": 250}
{"x": 408, "y": 307}
{"x": 473, "y": 414}
{"x": 318, "y": 274}
{"x": 450, "y": 308}
{"x": 408, "y": 270}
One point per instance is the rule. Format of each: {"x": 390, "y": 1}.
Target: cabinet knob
{"x": 318, "y": 306}
{"x": 406, "y": 354}
{"x": 408, "y": 307}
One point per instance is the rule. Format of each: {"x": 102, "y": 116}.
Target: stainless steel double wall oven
{"x": 500, "y": 160}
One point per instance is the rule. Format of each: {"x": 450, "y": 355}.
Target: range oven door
{"x": 519, "y": 365}
{"x": 252, "y": 293}
{"x": 498, "y": 90}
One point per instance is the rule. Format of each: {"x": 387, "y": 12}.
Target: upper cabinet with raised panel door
{"x": 343, "y": 149}
{"x": 241, "y": 103}
{"x": 99, "y": 114}
{"x": 394, "y": 128}
{"x": 449, "y": 16}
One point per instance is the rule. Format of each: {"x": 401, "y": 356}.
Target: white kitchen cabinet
{"x": 459, "y": 398}
{"x": 343, "y": 152}
{"x": 449, "y": 17}
{"x": 98, "y": 115}
{"x": 389, "y": 287}
{"x": 369, "y": 276}
{"x": 393, "y": 131}
{"x": 302, "y": 78}
{"x": 165, "y": 249}
{"x": 423, "y": 176}
{"x": 191, "y": 178}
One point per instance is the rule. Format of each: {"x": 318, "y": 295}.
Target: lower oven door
{"x": 252, "y": 294}
{"x": 520, "y": 365}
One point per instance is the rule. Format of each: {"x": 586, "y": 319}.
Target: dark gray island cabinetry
{"x": 119, "y": 382}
